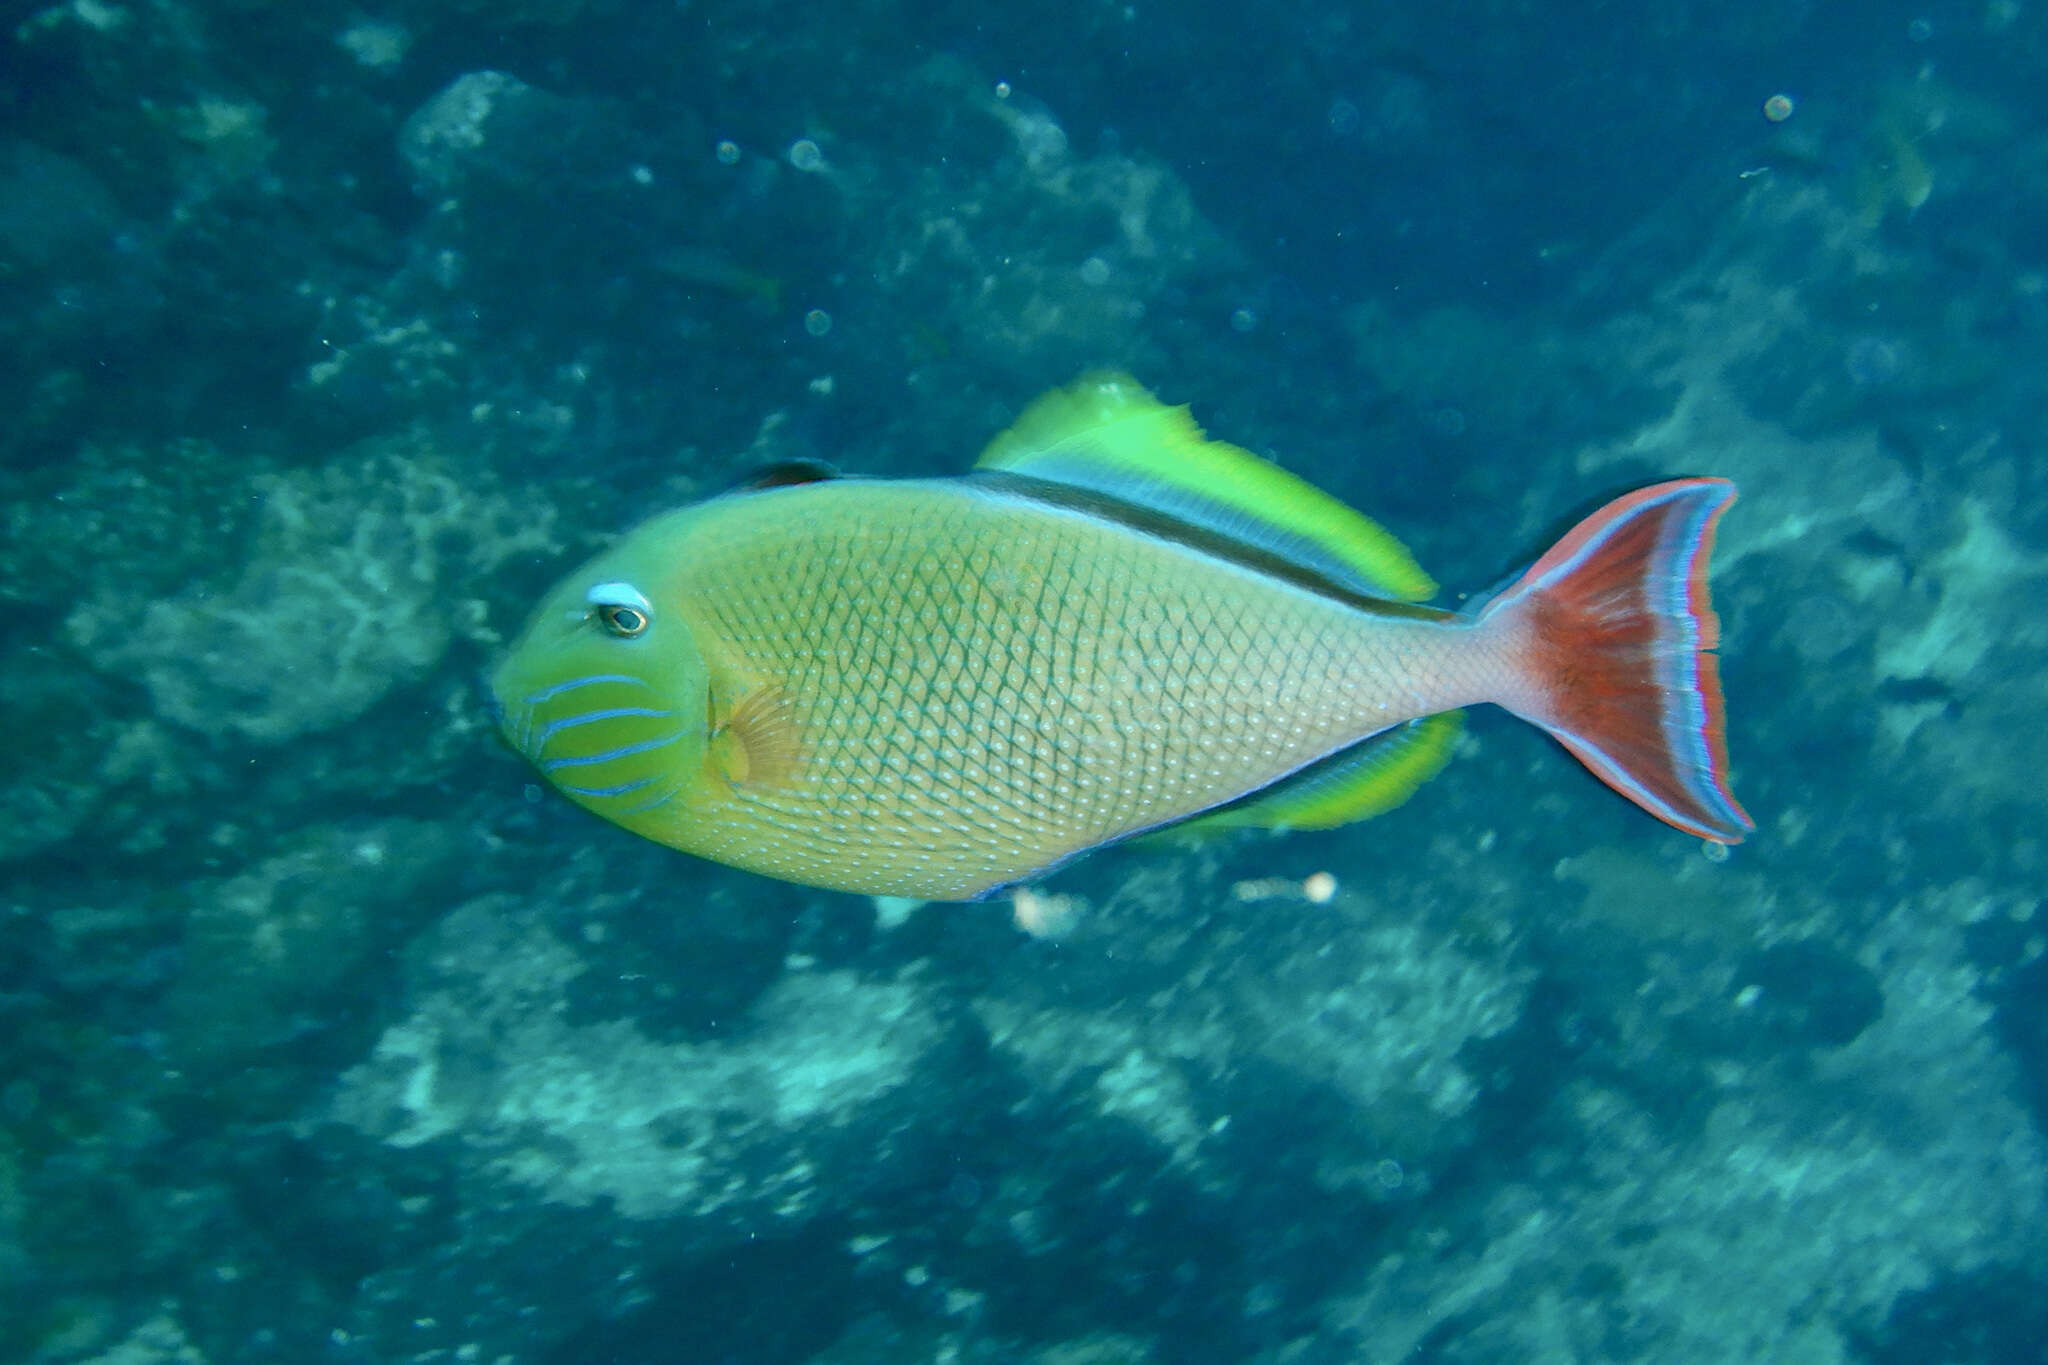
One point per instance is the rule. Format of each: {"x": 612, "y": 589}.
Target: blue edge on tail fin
{"x": 1618, "y": 637}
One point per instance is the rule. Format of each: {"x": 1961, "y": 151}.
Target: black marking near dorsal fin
{"x": 784, "y": 473}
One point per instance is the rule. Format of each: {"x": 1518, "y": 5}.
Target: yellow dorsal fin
{"x": 1106, "y": 434}
{"x": 1368, "y": 779}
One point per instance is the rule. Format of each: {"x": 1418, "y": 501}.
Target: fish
{"x": 941, "y": 688}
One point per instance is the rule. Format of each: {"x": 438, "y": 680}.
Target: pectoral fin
{"x": 758, "y": 741}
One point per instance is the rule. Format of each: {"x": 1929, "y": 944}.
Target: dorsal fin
{"x": 1370, "y": 778}
{"x": 1105, "y": 433}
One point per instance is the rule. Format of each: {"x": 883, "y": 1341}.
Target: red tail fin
{"x": 1616, "y": 637}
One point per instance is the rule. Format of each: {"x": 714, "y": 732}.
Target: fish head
{"x": 607, "y": 694}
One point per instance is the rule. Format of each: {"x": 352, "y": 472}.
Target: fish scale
{"x": 1048, "y": 720}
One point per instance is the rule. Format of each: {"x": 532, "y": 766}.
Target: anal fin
{"x": 1369, "y": 778}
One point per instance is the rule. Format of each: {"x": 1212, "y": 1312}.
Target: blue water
{"x": 336, "y": 335}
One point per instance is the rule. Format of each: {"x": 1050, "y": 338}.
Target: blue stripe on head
{"x": 623, "y": 751}
{"x": 550, "y": 693}
{"x": 622, "y": 789}
{"x": 555, "y": 727}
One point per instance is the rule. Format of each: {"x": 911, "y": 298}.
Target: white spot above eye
{"x": 617, "y": 595}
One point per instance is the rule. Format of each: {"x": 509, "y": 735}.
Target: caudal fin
{"x": 1615, "y": 637}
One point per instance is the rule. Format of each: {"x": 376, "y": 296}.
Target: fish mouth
{"x": 512, "y": 720}
{"x": 501, "y": 720}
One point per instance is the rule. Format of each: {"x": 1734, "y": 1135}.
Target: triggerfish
{"x": 938, "y": 688}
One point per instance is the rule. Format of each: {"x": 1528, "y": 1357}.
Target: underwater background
{"x": 336, "y": 332}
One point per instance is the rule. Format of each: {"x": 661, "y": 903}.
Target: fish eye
{"x": 621, "y": 609}
{"x": 622, "y": 620}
